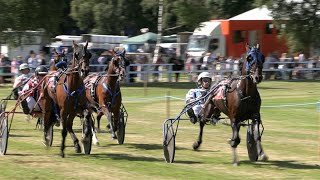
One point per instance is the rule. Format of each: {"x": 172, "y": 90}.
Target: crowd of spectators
{"x": 286, "y": 66}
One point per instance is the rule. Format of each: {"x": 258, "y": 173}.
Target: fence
{"x": 165, "y": 72}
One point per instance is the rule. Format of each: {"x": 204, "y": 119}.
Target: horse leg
{"x": 98, "y": 121}
{"x": 235, "y": 140}
{"x": 94, "y": 131}
{"x": 257, "y": 138}
{"x": 198, "y": 142}
{"x": 69, "y": 125}
{"x": 64, "y": 134}
{"x": 108, "y": 114}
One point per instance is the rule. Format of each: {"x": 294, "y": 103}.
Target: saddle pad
{"x": 220, "y": 92}
{"x": 88, "y": 81}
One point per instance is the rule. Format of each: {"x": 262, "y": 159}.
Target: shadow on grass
{"x": 17, "y": 135}
{"x": 15, "y": 154}
{"x": 121, "y": 156}
{"x": 283, "y": 164}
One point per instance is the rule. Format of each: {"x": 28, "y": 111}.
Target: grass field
{"x": 291, "y": 139}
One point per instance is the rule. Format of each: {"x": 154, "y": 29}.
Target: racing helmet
{"x": 41, "y": 70}
{"x": 204, "y": 75}
{"x": 23, "y": 66}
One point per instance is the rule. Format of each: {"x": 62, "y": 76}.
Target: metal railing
{"x": 165, "y": 72}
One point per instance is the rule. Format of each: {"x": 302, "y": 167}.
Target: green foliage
{"x": 301, "y": 19}
{"x": 22, "y": 15}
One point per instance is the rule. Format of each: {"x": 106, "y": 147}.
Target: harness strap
{"x": 113, "y": 95}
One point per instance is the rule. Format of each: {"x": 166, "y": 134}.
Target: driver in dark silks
{"x": 204, "y": 82}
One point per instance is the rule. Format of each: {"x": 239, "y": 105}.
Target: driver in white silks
{"x": 203, "y": 82}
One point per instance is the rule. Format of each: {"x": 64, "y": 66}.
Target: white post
{"x": 156, "y": 51}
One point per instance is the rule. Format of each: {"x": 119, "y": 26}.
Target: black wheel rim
{"x": 169, "y": 144}
{"x": 121, "y": 131}
{"x": 86, "y": 140}
{"x": 3, "y": 134}
{"x": 251, "y": 144}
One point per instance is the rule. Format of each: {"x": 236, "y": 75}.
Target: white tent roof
{"x": 261, "y": 13}
{"x": 206, "y": 28}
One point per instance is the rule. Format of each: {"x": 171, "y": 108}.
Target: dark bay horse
{"x": 240, "y": 101}
{"x": 103, "y": 90}
{"x": 69, "y": 97}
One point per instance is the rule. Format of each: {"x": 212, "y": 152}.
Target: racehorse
{"x": 103, "y": 90}
{"x": 240, "y": 101}
{"x": 70, "y": 98}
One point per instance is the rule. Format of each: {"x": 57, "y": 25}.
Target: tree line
{"x": 127, "y": 17}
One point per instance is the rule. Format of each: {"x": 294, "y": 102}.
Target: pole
{"x": 168, "y": 104}
{"x": 156, "y": 51}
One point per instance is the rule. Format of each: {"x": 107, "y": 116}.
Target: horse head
{"x": 118, "y": 63}
{"x": 253, "y": 63}
{"x": 58, "y": 57}
{"x": 81, "y": 57}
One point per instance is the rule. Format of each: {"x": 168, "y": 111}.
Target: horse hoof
{"x": 235, "y": 164}
{"x": 77, "y": 149}
{"x": 96, "y": 143}
{"x": 196, "y": 145}
{"x": 62, "y": 155}
{"x": 264, "y": 157}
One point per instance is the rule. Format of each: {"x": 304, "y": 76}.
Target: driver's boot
{"x": 193, "y": 117}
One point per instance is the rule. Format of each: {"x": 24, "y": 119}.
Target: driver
{"x": 203, "y": 82}
{"x": 21, "y": 80}
{"x": 28, "y": 105}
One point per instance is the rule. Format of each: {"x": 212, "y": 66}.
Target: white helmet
{"x": 204, "y": 75}
{"x": 23, "y": 66}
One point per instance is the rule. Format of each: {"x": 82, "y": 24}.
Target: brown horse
{"x": 70, "y": 98}
{"x": 103, "y": 90}
{"x": 240, "y": 101}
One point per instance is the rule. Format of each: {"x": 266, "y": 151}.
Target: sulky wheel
{"x": 4, "y": 133}
{"x": 86, "y": 137}
{"x": 251, "y": 143}
{"x": 168, "y": 144}
{"x": 121, "y": 129}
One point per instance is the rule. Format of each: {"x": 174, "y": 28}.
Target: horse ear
{"x": 74, "y": 45}
{"x": 247, "y": 47}
{"x": 55, "y": 51}
{"x": 258, "y": 46}
{"x": 86, "y": 46}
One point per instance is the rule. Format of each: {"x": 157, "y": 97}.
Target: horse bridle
{"x": 256, "y": 58}
{"x": 121, "y": 63}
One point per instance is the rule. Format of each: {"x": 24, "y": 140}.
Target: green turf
{"x": 291, "y": 140}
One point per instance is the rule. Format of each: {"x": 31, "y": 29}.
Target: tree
{"x": 298, "y": 22}
{"x": 21, "y": 15}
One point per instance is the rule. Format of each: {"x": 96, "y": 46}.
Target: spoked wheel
{"x": 86, "y": 138}
{"x": 4, "y": 133}
{"x": 121, "y": 129}
{"x": 169, "y": 144}
{"x": 251, "y": 143}
{"x": 48, "y": 136}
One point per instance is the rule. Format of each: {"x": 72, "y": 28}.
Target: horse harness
{"x": 113, "y": 95}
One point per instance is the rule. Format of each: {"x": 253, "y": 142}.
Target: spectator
{"x": 32, "y": 60}
{"x": 156, "y": 68}
{"x": 177, "y": 66}
{"x": 5, "y": 67}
